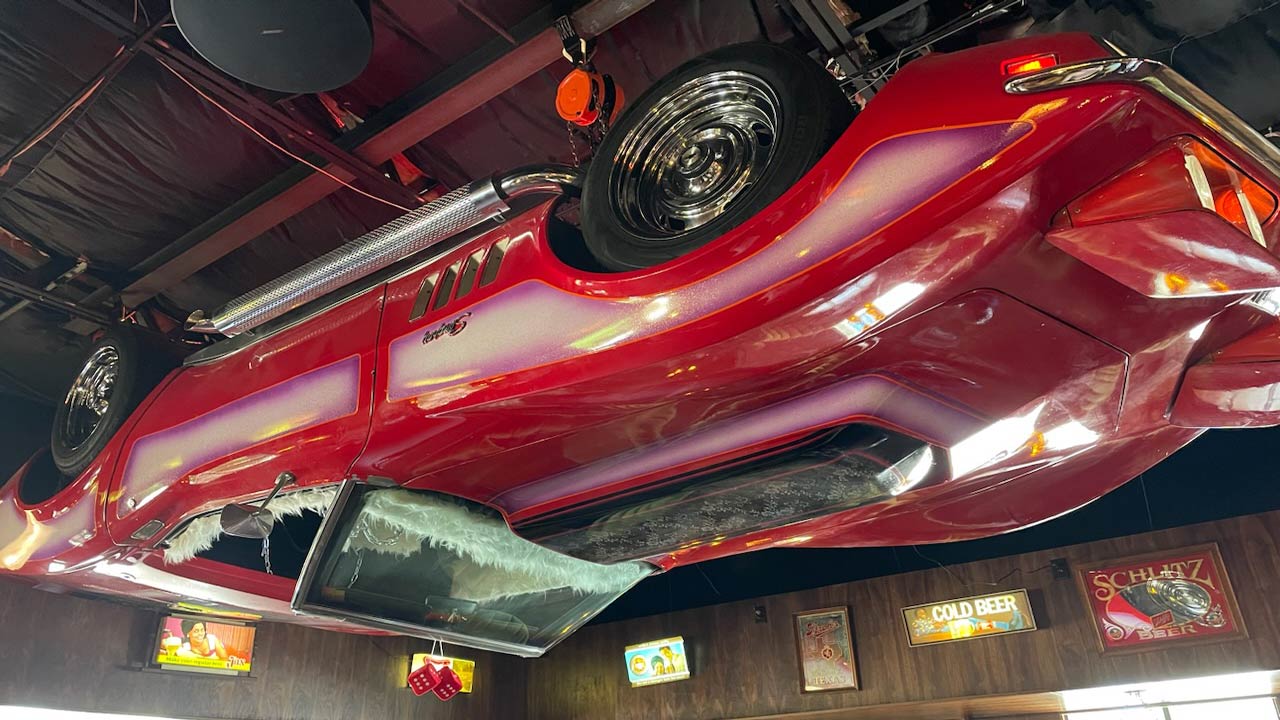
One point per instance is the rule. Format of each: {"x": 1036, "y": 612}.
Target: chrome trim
{"x": 1268, "y": 302}
{"x": 198, "y": 323}
{"x": 424, "y": 228}
{"x": 540, "y": 179}
{"x": 402, "y": 628}
{"x": 90, "y": 396}
{"x": 310, "y": 566}
{"x": 1160, "y": 78}
{"x": 1110, "y": 45}
{"x": 147, "y": 531}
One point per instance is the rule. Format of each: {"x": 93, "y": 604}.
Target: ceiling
{"x": 148, "y": 172}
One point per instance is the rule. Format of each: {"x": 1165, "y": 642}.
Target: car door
{"x": 222, "y": 429}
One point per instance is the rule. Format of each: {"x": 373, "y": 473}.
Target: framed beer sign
{"x": 1175, "y": 597}
{"x": 824, "y": 644}
{"x": 1002, "y": 613}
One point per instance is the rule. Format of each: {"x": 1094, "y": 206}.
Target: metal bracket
{"x": 577, "y": 49}
{"x": 833, "y": 37}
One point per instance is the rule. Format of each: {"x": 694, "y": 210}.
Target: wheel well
{"x": 42, "y": 481}
{"x": 564, "y": 237}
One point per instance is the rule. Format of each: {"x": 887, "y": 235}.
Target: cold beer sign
{"x": 1001, "y": 613}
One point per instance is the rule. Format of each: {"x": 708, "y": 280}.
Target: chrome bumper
{"x": 1162, "y": 79}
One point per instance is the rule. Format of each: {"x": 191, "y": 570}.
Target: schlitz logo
{"x": 820, "y": 629}
{"x": 1107, "y": 584}
{"x": 450, "y": 327}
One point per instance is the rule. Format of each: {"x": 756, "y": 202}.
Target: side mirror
{"x": 247, "y": 521}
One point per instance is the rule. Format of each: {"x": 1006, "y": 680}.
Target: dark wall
{"x": 745, "y": 669}
{"x": 24, "y": 427}
{"x": 71, "y": 653}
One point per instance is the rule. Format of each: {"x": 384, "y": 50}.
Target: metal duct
{"x": 439, "y": 220}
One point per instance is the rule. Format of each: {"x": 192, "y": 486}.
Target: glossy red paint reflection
{"x": 1186, "y": 253}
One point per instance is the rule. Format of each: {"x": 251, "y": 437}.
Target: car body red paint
{"x": 905, "y": 282}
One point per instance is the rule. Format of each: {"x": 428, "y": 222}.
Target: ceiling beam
{"x": 65, "y": 117}
{"x": 49, "y": 278}
{"x": 23, "y": 252}
{"x": 44, "y": 298}
{"x": 461, "y": 88}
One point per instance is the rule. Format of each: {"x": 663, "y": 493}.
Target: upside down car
{"x": 997, "y": 293}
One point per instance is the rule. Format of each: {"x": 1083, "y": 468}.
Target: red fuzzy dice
{"x": 426, "y": 679}
{"x": 449, "y": 684}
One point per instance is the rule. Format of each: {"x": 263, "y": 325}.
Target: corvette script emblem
{"x": 450, "y": 327}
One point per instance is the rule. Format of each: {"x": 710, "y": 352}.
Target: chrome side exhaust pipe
{"x": 429, "y": 225}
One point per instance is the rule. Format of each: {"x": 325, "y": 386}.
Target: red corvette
{"x": 1025, "y": 273}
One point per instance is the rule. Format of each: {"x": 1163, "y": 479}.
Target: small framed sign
{"x": 1002, "y": 613}
{"x": 1180, "y": 597}
{"x": 824, "y": 645}
{"x": 659, "y": 661}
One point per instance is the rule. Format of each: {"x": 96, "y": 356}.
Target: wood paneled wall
{"x": 745, "y": 669}
{"x": 66, "y": 652}
{"x": 71, "y": 653}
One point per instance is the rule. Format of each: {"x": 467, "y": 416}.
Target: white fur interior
{"x": 404, "y": 521}
{"x": 204, "y": 531}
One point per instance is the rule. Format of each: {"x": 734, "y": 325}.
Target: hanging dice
{"x": 449, "y": 684}
{"x": 426, "y": 679}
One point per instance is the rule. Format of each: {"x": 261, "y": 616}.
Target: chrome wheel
{"x": 696, "y": 152}
{"x": 90, "y": 396}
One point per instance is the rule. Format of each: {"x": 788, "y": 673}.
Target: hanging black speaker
{"x": 292, "y": 46}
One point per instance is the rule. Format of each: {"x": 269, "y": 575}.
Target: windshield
{"x": 428, "y": 565}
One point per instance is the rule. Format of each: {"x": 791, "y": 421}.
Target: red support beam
{"x": 214, "y": 239}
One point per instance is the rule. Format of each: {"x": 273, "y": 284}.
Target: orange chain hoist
{"x": 585, "y": 96}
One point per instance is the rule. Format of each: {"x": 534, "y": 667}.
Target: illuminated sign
{"x": 656, "y": 662}
{"x": 1002, "y": 613}
{"x": 203, "y": 645}
{"x": 1177, "y": 596}
{"x": 466, "y": 669}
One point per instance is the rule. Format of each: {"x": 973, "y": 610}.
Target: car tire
{"x": 706, "y": 148}
{"x": 120, "y": 369}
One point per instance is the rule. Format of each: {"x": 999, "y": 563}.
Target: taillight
{"x": 1028, "y": 63}
{"x": 1184, "y": 174}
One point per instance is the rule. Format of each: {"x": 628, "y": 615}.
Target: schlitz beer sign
{"x": 1001, "y": 613}
{"x": 1177, "y": 597}
{"x": 824, "y": 644}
